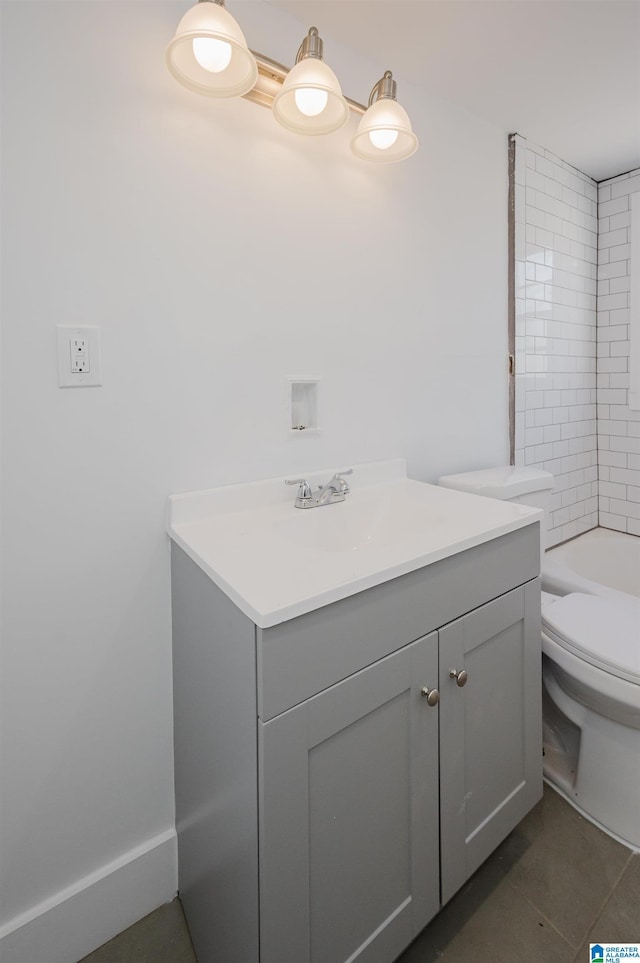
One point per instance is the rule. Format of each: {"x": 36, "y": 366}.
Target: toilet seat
{"x": 602, "y": 631}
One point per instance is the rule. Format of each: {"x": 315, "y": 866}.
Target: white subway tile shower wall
{"x": 555, "y": 332}
{"x": 618, "y": 425}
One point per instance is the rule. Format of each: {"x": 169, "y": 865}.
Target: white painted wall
{"x": 220, "y": 255}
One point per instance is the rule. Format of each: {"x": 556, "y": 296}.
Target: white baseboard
{"x": 78, "y": 919}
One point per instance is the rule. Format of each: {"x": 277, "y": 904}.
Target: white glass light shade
{"x": 195, "y": 69}
{"x": 315, "y": 77}
{"x": 381, "y": 120}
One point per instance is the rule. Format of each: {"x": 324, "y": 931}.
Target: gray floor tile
{"x": 489, "y": 920}
{"x": 619, "y": 921}
{"x": 161, "y": 937}
{"x": 563, "y": 864}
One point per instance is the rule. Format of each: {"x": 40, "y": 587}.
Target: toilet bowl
{"x": 591, "y": 693}
{"x": 591, "y": 681}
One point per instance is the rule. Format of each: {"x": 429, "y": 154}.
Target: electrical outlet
{"x": 79, "y": 358}
{"x": 79, "y": 355}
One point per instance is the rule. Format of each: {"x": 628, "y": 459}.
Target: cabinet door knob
{"x": 460, "y": 677}
{"x": 431, "y": 695}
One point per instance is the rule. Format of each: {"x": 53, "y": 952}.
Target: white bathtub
{"x": 600, "y": 562}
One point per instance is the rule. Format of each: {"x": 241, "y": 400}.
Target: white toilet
{"x": 591, "y": 680}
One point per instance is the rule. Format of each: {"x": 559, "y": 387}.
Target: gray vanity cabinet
{"x": 349, "y": 857}
{"x": 325, "y": 809}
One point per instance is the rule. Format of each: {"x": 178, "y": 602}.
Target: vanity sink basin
{"x": 372, "y": 522}
{"x": 277, "y": 562}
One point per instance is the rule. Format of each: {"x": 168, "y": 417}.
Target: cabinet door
{"x": 349, "y": 816}
{"x": 490, "y": 729}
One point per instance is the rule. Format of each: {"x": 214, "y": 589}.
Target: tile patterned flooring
{"x": 556, "y": 884}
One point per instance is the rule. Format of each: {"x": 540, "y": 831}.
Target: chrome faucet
{"x": 334, "y": 491}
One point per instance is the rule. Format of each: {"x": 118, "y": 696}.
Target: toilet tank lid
{"x": 505, "y": 482}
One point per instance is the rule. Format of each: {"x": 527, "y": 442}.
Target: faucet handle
{"x": 338, "y": 477}
{"x": 304, "y": 491}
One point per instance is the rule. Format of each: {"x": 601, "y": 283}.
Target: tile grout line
{"x": 548, "y": 922}
{"x": 605, "y": 902}
{"x": 595, "y": 918}
{"x": 611, "y": 892}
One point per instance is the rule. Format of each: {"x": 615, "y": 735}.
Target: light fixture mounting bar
{"x": 271, "y": 76}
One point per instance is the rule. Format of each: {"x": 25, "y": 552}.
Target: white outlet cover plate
{"x": 82, "y": 379}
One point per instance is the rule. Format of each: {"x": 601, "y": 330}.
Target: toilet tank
{"x": 529, "y": 486}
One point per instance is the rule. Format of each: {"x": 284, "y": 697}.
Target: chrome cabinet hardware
{"x": 460, "y": 676}
{"x": 431, "y": 695}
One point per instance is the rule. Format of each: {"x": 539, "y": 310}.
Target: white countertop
{"x": 277, "y": 562}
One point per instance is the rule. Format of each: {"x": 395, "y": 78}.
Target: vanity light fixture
{"x": 311, "y": 101}
{"x": 384, "y": 134}
{"x": 209, "y": 55}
